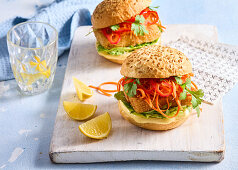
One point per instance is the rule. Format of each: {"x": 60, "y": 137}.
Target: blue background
{"x": 25, "y": 112}
{"x": 221, "y": 13}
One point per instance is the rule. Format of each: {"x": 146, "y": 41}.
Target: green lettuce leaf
{"x": 150, "y": 114}
{"x": 123, "y": 50}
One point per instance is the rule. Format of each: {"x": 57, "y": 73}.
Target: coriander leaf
{"x": 153, "y": 8}
{"x": 188, "y": 83}
{"x": 198, "y": 94}
{"x": 115, "y": 27}
{"x": 194, "y": 102}
{"x": 139, "y": 19}
{"x": 138, "y": 81}
{"x": 137, "y": 26}
{"x": 133, "y": 90}
{"x": 198, "y": 110}
{"x": 130, "y": 89}
{"x": 127, "y": 87}
{"x": 88, "y": 33}
{"x": 196, "y": 97}
{"x": 183, "y": 95}
{"x": 178, "y": 80}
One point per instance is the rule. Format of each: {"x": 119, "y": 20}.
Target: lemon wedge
{"x": 79, "y": 111}
{"x": 98, "y": 127}
{"x": 83, "y": 91}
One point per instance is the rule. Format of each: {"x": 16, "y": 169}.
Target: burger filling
{"x": 159, "y": 98}
{"x": 139, "y": 25}
{"x": 123, "y": 50}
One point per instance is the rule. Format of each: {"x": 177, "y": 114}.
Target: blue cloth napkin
{"x": 64, "y": 15}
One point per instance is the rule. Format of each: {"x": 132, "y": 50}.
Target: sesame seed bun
{"x": 156, "y": 61}
{"x": 153, "y": 123}
{"x": 111, "y": 12}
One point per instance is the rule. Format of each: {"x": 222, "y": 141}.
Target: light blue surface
{"x": 18, "y": 112}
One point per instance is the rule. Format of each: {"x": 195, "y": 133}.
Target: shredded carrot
{"x": 154, "y": 97}
{"x": 113, "y": 83}
{"x": 148, "y": 100}
{"x": 119, "y": 84}
{"x": 167, "y": 100}
{"x": 196, "y": 87}
{"x": 142, "y": 93}
{"x": 100, "y": 90}
{"x": 177, "y": 101}
{"x": 157, "y": 108}
{"x": 104, "y": 91}
{"x": 149, "y": 93}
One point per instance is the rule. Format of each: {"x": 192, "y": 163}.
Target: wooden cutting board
{"x": 198, "y": 139}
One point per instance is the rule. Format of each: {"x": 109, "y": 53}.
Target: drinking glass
{"x": 33, "y": 51}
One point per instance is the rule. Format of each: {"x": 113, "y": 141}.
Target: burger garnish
{"x": 136, "y": 24}
{"x": 122, "y": 50}
{"x": 156, "y": 91}
{"x": 164, "y": 94}
{"x": 161, "y": 94}
{"x": 122, "y": 26}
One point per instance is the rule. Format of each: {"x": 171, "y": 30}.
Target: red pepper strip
{"x": 149, "y": 90}
{"x": 144, "y": 11}
{"x": 124, "y": 27}
{"x": 151, "y": 17}
{"x": 149, "y": 86}
{"x": 177, "y": 101}
{"x": 111, "y": 36}
{"x": 131, "y": 20}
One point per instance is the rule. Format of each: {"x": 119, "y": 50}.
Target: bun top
{"x": 156, "y": 62}
{"x": 111, "y": 12}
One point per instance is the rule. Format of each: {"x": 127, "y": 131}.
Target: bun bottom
{"x": 114, "y": 58}
{"x": 152, "y": 125}
{"x": 117, "y": 58}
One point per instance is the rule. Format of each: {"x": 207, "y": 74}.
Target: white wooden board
{"x": 198, "y": 139}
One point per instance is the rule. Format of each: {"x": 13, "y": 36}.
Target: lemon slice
{"x": 98, "y": 127}
{"x": 83, "y": 91}
{"x": 79, "y": 111}
{"x": 41, "y": 66}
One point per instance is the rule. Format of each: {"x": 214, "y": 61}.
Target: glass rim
{"x": 32, "y": 22}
